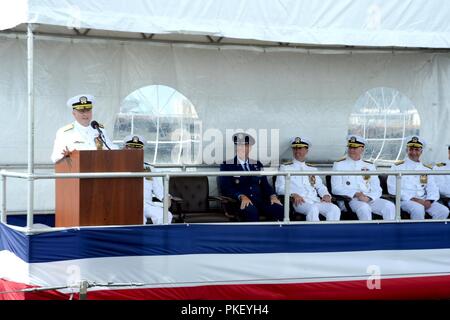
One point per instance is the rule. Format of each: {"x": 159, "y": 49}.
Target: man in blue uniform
{"x": 255, "y": 194}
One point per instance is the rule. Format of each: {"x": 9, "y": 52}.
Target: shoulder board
{"x": 397, "y": 163}
{"x": 441, "y": 164}
{"x": 428, "y": 166}
{"x": 341, "y": 159}
{"x": 287, "y": 162}
{"x": 68, "y": 127}
{"x": 367, "y": 161}
{"x": 310, "y": 164}
{"x": 101, "y": 126}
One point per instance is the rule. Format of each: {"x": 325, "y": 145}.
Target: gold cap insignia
{"x": 83, "y": 100}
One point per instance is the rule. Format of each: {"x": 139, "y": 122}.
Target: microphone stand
{"x": 102, "y": 138}
{"x": 95, "y": 125}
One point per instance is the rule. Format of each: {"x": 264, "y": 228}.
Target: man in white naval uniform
{"x": 153, "y": 187}
{"x": 443, "y": 182}
{"x": 79, "y": 135}
{"x": 364, "y": 191}
{"x": 419, "y": 193}
{"x": 308, "y": 193}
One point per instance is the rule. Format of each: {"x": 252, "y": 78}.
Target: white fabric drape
{"x": 296, "y": 93}
{"x": 401, "y": 23}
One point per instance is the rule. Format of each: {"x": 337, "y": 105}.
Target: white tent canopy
{"x": 297, "y": 92}
{"x": 397, "y": 23}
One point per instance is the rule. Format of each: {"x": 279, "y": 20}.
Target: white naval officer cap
{"x": 134, "y": 141}
{"x": 355, "y": 141}
{"x": 81, "y": 102}
{"x": 299, "y": 142}
{"x": 415, "y": 142}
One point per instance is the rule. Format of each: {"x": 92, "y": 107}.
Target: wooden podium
{"x": 100, "y": 201}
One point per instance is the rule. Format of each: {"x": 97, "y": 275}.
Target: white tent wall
{"x": 295, "y": 92}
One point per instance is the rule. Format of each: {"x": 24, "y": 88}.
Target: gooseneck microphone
{"x": 95, "y": 125}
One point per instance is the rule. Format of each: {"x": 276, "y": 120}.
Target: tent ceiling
{"x": 64, "y": 32}
{"x": 331, "y": 23}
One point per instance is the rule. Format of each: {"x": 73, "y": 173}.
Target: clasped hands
{"x": 245, "y": 201}
{"x": 362, "y": 197}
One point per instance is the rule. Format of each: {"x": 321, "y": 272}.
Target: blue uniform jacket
{"x": 256, "y": 188}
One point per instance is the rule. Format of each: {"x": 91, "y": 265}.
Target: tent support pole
{"x": 166, "y": 200}
{"x": 30, "y": 85}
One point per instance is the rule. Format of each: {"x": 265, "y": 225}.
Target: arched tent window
{"x": 166, "y": 119}
{"x": 384, "y": 116}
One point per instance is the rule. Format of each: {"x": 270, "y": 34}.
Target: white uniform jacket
{"x": 77, "y": 137}
{"x": 414, "y": 186}
{"x": 349, "y": 185}
{"x": 153, "y": 188}
{"x": 307, "y": 187}
{"x": 443, "y": 182}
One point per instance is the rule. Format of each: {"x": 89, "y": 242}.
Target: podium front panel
{"x": 100, "y": 201}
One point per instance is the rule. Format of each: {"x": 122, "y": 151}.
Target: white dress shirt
{"x": 412, "y": 186}
{"x": 349, "y": 185}
{"x": 305, "y": 186}
{"x": 74, "y": 136}
{"x": 443, "y": 182}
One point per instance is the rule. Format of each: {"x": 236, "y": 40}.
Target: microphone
{"x": 95, "y": 125}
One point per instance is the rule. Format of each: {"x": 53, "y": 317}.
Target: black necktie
{"x": 247, "y": 168}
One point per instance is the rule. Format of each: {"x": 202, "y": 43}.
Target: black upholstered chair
{"x": 445, "y": 201}
{"x": 194, "y": 203}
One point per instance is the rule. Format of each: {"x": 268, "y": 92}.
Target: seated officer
{"x": 419, "y": 194}
{"x": 309, "y": 194}
{"x": 79, "y": 135}
{"x": 254, "y": 192}
{"x": 153, "y": 187}
{"x": 364, "y": 191}
{"x": 443, "y": 182}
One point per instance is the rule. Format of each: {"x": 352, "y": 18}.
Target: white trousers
{"x": 417, "y": 211}
{"x": 156, "y": 214}
{"x": 364, "y": 210}
{"x": 330, "y": 211}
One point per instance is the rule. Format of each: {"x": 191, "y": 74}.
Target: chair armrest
{"x": 224, "y": 199}
{"x": 215, "y": 198}
{"x": 176, "y": 199}
{"x": 176, "y": 208}
{"x": 341, "y": 198}
{"x": 282, "y": 196}
{"x": 388, "y": 196}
